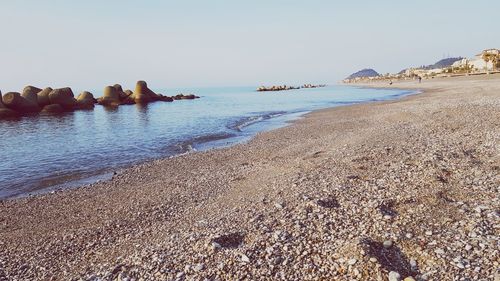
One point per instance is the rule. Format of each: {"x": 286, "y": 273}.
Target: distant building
{"x": 477, "y": 63}
{"x": 479, "y": 60}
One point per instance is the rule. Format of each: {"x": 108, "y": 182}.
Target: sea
{"x": 44, "y": 152}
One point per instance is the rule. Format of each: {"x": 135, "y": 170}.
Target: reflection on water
{"x": 44, "y": 150}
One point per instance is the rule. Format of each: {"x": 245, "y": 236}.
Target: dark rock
{"x": 86, "y": 100}
{"x": 165, "y": 98}
{"x": 111, "y": 97}
{"x": 64, "y": 97}
{"x": 30, "y": 93}
{"x": 43, "y": 97}
{"x": 53, "y": 108}
{"x": 16, "y": 102}
{"x": 142, "y": 94}
{"x": 232, "y": 240}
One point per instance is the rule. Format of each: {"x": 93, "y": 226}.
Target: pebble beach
{"x": 395, "y": 190}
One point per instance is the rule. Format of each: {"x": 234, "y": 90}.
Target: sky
{"x": 93, "y": 43}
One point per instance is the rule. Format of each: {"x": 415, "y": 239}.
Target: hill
{"x": 367, "y": 72}
{"x": 442, "y": 63}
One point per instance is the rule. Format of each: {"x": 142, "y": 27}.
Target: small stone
{"x": 428, "y": 233}
{"x": 356, "y": 272}
{"x": 439, "y": 251}
{"x": 372, "y": 259}
{"x": 215, "y": 246}
{"x": 409, "y": 278}
{"x": 245, "y": 258}
{"x": 413, "y": 264}
{"x": 468, "y": 247}
{"x": 180, "y": 275}
{"x": 387, "y": 217}
{"x": 352, "y": 261}
{"x": 409, "y": 235}
{"x": 278, "y": 205}
{"x": 460, "y": 265}
{"x": 394, "y": 276}
{"x": 387, "y": 244}
{"x": 199, "y": 267}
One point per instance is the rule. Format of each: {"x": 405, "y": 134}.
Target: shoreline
{"x": 322, "y": 194}
{"x": 191, "y": 145}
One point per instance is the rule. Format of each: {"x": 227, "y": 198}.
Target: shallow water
{"x": 46, "y": 151}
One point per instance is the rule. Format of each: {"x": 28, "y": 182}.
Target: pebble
{"x": 394, "y": 276}
{"x": 199, "y": 267}
{"x": 387, "y": 244}
{"x": 413, "y": 264}
{"x": 439, "y": 251}
{"x": 293, "y": 238}
{"x": 215, "y": 245}
{"x": 245, "y": 258}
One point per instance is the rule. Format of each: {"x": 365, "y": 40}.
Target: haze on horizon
{"x": 90, "y": 44}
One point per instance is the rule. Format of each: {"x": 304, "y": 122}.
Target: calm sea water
{"x": 44, "y": 152}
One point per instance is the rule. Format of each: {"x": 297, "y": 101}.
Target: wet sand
{"x": 349, "y": 193}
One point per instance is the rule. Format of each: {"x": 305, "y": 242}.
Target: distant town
{"x": 486, "y": 62}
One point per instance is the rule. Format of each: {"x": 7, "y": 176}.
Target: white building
{"x": 477, "y": 63}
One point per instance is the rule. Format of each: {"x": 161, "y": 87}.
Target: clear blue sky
{"x": 93, "y": 43}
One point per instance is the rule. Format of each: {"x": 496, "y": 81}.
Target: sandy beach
{"x": 348, "y": 193}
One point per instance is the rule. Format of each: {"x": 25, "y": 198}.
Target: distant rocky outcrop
{"x": 286, "y": 88}
{"x": 367, "y": 72}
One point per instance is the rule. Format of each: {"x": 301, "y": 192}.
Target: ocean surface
{"x": 47, "y": 152}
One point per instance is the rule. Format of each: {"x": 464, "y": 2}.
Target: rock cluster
{"x": 311, "y": 86}
{"x": 34, "y": 100}
{"x": 276, "y": 88}
{"x": 286, "y": 88}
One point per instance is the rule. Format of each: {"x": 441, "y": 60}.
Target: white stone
{"x": 387, "y": 244}
{"x": 394, "y": 276}
{"x": 244, "y": 258}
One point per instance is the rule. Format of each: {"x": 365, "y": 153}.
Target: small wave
{"x": 190, "y": 144}
{"x": 250, "y": 120}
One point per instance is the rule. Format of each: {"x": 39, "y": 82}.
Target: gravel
{"x": 305, "y": 202}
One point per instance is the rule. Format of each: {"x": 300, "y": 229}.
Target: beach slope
{"x": 409, "y": 186}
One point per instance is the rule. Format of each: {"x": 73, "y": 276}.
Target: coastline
{"x": 408, "y": 159}
{"x": 241, "y": 130}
